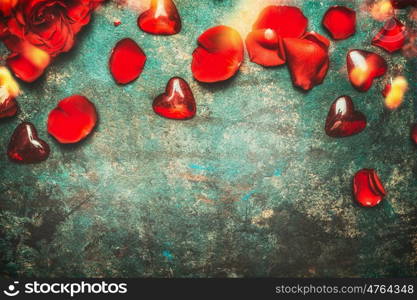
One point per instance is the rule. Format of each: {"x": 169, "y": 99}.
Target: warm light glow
{"x": 395, "y": 94}
{"x": 382, "y": 10}
{"x": 38, "y": 57}
{"x": 359, "y": 75}
{"x": 8, "y": 86}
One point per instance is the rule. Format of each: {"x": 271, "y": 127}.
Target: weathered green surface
{"x": 250, "y": 187}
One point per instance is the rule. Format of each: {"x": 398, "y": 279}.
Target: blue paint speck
{"x": 247, "y": 196}
{"x": 168, "y": 255}
{"x": 278, "y": 172}
{"x": 200, "y": 168}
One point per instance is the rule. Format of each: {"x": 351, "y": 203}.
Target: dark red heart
{"x": 25, "y": 146}
{"x": 264, "y": 43}
{"x": 363, "y": 67}
{"x": 161, "y": 19}
{"x": 72, "y": 120}
{"x": 218, "y": 56}
{"x": 340, "y": 22}
{"x": 391, "y": 37}
{"x": 307, "y": 59}
{"x": 368, "y": 188}
{"x": 127, "y": 61}
{"x": 403, "y": 3}
{"x": 414, "y": 133}
{"x": 177, "y": 102}
{"x": 343, "y": 120}
{"x": 8, "y": 106}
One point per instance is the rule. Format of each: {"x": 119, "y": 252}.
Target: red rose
{"x": 49, "y": 25}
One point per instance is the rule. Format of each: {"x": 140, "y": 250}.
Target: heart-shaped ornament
{"x": 177, "y": 102}
{"x": 161, "y": 19}
{"x": 25, "y": 146}
{"x": 343, "y": 120}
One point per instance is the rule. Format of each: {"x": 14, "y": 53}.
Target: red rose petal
{"x": 8, "y": 107}
{"x": 161, "y": 19}
{"x": 367, "y": 188}
{"x": 307, "y": 59}
{"x": 265, "y": 48}
{"x": 25, "y": 146}
{"x": 218, "y": 56}
{"x": 340, "y": 22}
{"x": 363, "y": 67}
{"x": 343, "y": 120}
{"x": 177, "y": 102}
{"x": 286, "y": 21}
{"x": 72, "y": 120}
{"x": 391, "y": 37}
{"x": 127, "y": 61}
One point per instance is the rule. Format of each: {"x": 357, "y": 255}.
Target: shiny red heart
{"x": 72, "y": 120}
{"x": 307, "y": 59}
{"x": 340, "y": 22}
{"x": 343, "y": 120}
{"x": 391, "y": 37}
{"x": 264, "y": 43}
{"x": 8, "y": 106}
{"x": 363, "y": 67}
{"x": 177, "y": 102}
{"x": 127, "y": 61}
{"x": 218, "y": 56}
{"x": 25, "y": 146}
{"x": 367, "y": 188}
{"x": 161, "y": 19}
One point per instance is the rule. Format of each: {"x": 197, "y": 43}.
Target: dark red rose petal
{"x": 218, "y": 56}
{"x": 117, "y": 23}
{"x": 343, "y": 120}
{"x": 340, "y": 22}
{"x": 127, "y": 61}
{"x": 8, "y": 107}
{"x": 367, "y": 188}
{"x": 177, "y": 102}
{"x": 391, "y": 37}
{"x": 414, "y": 133}
{"x": 363, "y": 67}
{"x": 25, "y": 146}
{"x": 161, "y": 19}
{"x": 72, "y": 120}
{"x": 403, "y": 3}
{"x": 286, "y": 21}
{"x": 307, "y": 59}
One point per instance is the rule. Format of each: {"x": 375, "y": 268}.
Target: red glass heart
{"x": 177, "y": 102}
{"x": 363, "y": 67}
{"x": 307, "y": 59}
{"x": 218, "y": 56}
{"x": 265, "y": 48}
{"x": 367, "y": 188}
{"x": 414, "y": 133}
{"x": 391, "y": 37}
{"x": 343, "y": 120}
{"x": 72, "y": 120}
{"x": 340, "y": 22}
{"x": 403, "y": 3}
{"x": 8, "y": 106}
{"x": 127, "y": 61}
{"x": 25, "y": 146}
{"x": 161, "y": 19}
{"x": 264, "y": 43}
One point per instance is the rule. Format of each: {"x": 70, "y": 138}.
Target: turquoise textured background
{"x": 251, "y": 186}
